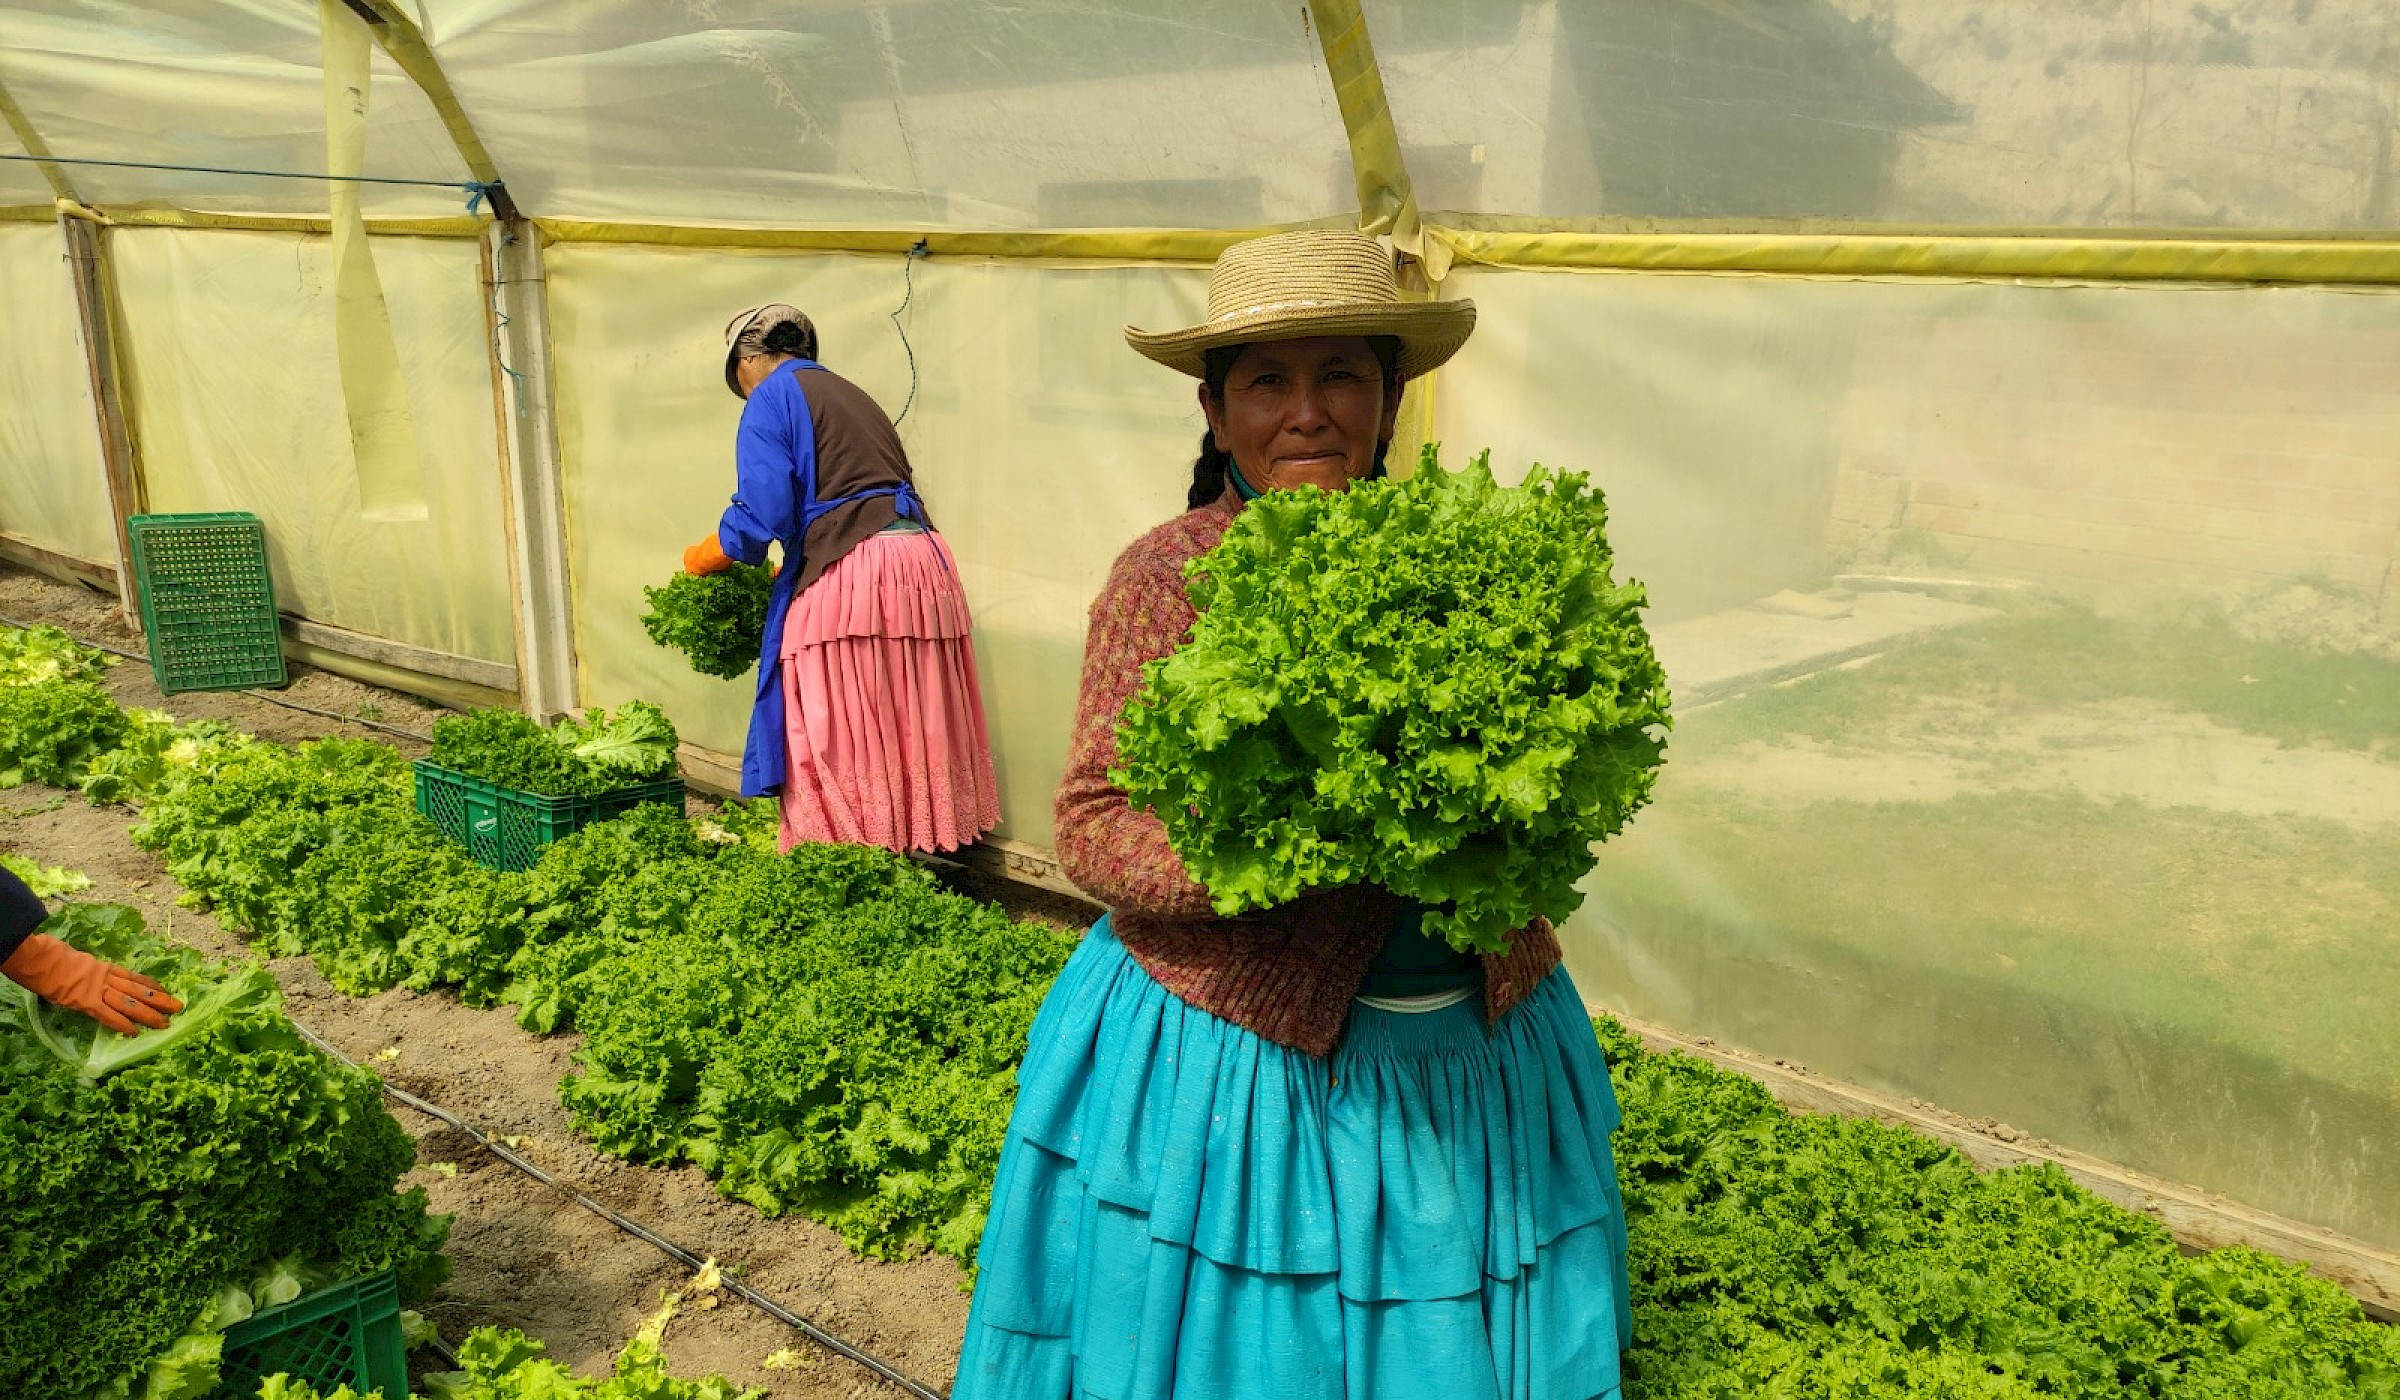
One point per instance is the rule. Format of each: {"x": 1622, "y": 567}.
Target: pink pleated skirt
{"x": 883, "y": 717}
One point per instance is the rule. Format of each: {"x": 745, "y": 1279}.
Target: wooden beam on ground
{"x": 64, "y": 567}
{"x": 442, "y": 690}
{"x": 2199, "y": 1220}
{"x": 95, "y": 302}
{"x": 498, "y": 677}
{"x": 517, "y": 311}
{"x": 1023, "y": 862}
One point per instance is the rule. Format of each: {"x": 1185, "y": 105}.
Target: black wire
{"x": 908, "y": 292}
{"x": 469, "y": 185}
{"x": 267, "y": 695}
{"x": 846, "y": 1350}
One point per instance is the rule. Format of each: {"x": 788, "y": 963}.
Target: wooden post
{"x": 517, "y": 309}
{"x": 94, "y": 302}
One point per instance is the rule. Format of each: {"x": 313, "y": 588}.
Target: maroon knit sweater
{"x": 1288, "y": 973}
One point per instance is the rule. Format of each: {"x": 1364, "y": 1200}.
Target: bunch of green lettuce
{"x": 46, "y": 881}
{"x": 1434, "y": 685}
{"x": 46, "y": 655}
{"x": 154, "y": 749}
{"x": 51, "y": 733}
{"x": 142, "y": 1176}
{"x": 573, "y": 758}
{"x": 716, "y": 620}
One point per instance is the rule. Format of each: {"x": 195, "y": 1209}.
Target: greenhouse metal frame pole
{"x": 517, "y": 306}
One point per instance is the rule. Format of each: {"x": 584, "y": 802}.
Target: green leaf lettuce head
{"x": 717, "y": 620}
{"x": 45, "y": 655}
{"x": 1435, "y": 685}
{"x": 51, "y": 733}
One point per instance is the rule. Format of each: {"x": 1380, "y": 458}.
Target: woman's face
{"x": 1303, "y": 412}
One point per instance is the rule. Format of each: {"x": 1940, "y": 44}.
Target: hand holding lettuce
{"x": 1435, "y": 685}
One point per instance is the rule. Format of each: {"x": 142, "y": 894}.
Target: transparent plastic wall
{"x": 1043, "y": 447}
{"x": 53, "y": 488}
{"x": 1047, "y": 113}
{"x": 232, "y": 85}
{"x": 1999, "y": 113}
{"x": 2036, "y": 655}
{"x": 237, "y": 402}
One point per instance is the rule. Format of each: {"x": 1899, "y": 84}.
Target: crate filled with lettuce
{"x": 504, "y": 787}
{"x": 159, "y": 1189}
{"x": 1434, "y": 685}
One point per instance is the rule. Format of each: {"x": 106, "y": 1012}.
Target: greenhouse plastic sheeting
{"x": 237, "y": 403}
{"x": 2032, "y": 113}
{"x": 234, "y": 85}
{"x": 2036, "y": 652}
{"x": 1043, "y": 446}
{"x": 1049, "y": 113}
{"x": 53, "y": 487}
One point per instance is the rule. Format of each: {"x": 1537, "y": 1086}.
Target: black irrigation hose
{"x": 635, "y": 1228}
{"x": 269, "y": 696}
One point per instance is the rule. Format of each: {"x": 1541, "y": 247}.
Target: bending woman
{"x": 1310, "y": 1153}
{"x": 868, "y": 719}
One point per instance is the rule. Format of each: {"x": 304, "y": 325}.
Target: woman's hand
{"x": 706, "y": 557}
{"x": 119, "y": 998}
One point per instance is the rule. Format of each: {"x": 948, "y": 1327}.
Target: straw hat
{"x": 1287, "y": 286}
{"x": 746, "y": 334}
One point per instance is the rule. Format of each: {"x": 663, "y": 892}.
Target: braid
{"x": 1208, "y": 473}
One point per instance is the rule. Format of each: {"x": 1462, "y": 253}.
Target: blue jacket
{"x": 775, "y": 501}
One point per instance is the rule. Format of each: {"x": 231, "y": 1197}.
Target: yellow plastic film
{"x": 53, "y": 484}
{"x": 2027, "y": 643}
{"x": 236, "y": 396}
{"x": 383, "y": 439}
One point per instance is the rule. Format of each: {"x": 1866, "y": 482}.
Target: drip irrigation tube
{"x": 267, "y": 695}
{"x": 846, "y": 1350}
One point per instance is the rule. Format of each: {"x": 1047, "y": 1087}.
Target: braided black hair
{"x": 1210, "y": 469}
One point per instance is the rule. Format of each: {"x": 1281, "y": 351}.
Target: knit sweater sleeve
{"x": 1117, "y": 853}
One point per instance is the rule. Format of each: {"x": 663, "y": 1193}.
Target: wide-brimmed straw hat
{"x": 746, "y": 334}
{"x": 1287, "y": 286}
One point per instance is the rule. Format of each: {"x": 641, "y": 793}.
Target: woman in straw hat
{"x": 1309, "y": 1152}
{"x": 868, "y": 719}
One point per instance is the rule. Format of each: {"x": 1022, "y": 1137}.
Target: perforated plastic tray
{"x": 348, "y": 1334}
{"x": 506, "y": 829}
{"x": 208, "y": 603}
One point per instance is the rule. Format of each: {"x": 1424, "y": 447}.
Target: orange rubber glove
{"x": 706, "y": 557}
{"x": 119, "y": 998}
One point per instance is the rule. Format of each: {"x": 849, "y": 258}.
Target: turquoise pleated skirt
{"x": 1187, "y": 1210}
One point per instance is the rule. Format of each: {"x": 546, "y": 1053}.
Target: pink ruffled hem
{"x": 884, "y": 730}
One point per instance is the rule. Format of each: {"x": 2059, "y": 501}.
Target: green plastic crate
{"x": 208, "y": 604}
{"x": 506, "y": 829}
{"x": 348, "y": 1334}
